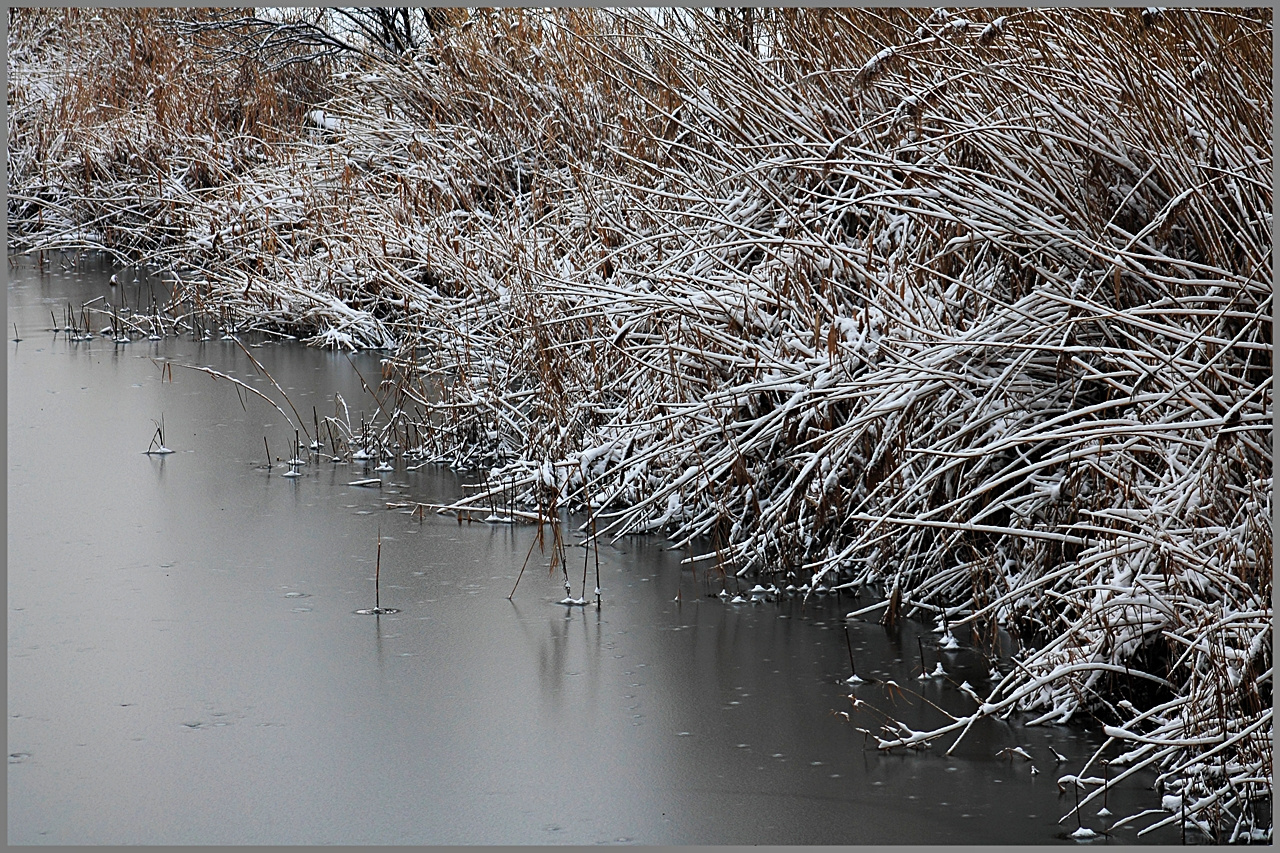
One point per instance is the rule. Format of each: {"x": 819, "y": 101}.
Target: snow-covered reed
{"x": 974, "y": 306}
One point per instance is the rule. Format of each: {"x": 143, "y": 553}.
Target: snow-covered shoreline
{"x": 974, "y": 307}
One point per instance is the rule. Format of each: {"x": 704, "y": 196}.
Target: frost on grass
{"x": 977, "y": 308}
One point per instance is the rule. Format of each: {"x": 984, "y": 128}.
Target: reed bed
{"x": 974, "y": 308}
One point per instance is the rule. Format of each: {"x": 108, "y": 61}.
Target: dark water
{"x": 185, "y": 664}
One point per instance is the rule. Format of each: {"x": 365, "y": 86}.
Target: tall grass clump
{"x": 119, "y": 128}
{"x": 972, "y": 307}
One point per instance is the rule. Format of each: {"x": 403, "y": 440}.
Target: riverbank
{"x": 975, "y": 307}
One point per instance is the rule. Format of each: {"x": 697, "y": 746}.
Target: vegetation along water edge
{"x": 971, "y": 306}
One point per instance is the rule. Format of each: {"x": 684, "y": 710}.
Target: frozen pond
{"x": 185, "y": 664}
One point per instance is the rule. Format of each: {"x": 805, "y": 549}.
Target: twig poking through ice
{"x": 157, "y": 446}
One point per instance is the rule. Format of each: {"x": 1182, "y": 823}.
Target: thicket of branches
{"x": 973, "y": 306}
